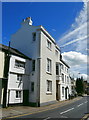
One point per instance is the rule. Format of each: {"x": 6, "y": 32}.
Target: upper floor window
{"x": 67, "y": 70}
{"x": 62, "y": 66}
{"x": 49, "y": 65}
{"x": 65, "y": 78}
{"x": 49, "y": 45}
{"x": 33, "y": 65}
{"x": 57, "y": 69}
{"x": 19, "y": 77}
{"x": 19, "y": 64}
{"x": 62, "y": 77}
{"x": 34, "y": 36}
{"x": 49, "y": 86}
{"x": 32, "y": 86}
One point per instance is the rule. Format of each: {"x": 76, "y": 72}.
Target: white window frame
{"x": 62, "y": 66}
{"x": 49, "y": 86}
{"x": 62, "y": 78}
{"x": 19, "y": 64}
{"x": 49, "y": 45}
{"x": 18, "y": 94}
{"x": 49, "y": 65}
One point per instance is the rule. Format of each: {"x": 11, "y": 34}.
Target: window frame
{"x": 18, "y": 94}
{"x": 57, "y": 69}
{"x": 19, "y": 64}
{"x": 34, "y": 36}
{"x": 32, "y": 86}
{"x": 63, "y": 90}
{"x": 62, "y": 78}
{"x": 49, "y": 45}
{"x": 49, "y": 86}
{"x": 49, "y": 66}
{"x": 33, "y": 65}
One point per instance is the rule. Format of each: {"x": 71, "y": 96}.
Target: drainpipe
{"x": 38, "y": 83}
{"x": 38, "y": 71}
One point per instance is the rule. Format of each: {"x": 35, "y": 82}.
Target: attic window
{"x": 34, "y": 36}
{"x": 19, "y": 64}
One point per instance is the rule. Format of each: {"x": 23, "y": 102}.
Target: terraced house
{"x": 49, "y": 77}
{"x": 14, "y": 76}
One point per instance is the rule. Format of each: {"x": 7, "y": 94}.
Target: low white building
{"x": 18, "y": 76}
{"x": 36, "y": 43}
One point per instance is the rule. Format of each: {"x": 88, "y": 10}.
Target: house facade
{"x": 2, "y": 59}
{"x": 16, "y": 84}
{"x": 46, "y": 81}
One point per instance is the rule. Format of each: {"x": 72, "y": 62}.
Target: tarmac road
{"x": 76, "y": 109}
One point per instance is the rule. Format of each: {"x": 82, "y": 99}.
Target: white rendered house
{"x": 35, "y": 42}
{"x": 18, "y": 76}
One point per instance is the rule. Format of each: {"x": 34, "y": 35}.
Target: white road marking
{"x": 47, "y": 118}
{"x": 86, "y": 101}
{"x": 80, "y": 104}
{"x": 64, "y": 117}
{"x": 67, "y": 111}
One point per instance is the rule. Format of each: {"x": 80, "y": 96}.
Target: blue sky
{"x": 55, "y": 17}
{"x": 66, "y": 22}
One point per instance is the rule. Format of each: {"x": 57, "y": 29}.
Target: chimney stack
{"x": 28, "y": 20}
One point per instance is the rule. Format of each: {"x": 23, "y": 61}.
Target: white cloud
{"x": 75, "y": 58}
{"x": 77, "y": 33}
{"x": 76, "y": 40}
{"x": 85, "y": 76}
{"x": 77, "y": 61}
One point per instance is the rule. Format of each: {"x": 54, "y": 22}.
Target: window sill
{"x": 49, "y": 93}
{"x": 49, "y": 73}
{"x": 17, "y": 98}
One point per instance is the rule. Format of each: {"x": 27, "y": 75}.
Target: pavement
{"x": 12, "y": 112}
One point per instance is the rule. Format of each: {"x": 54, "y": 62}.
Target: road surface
{"x": 76, "y": 109}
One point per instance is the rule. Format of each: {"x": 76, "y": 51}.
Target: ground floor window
{"x": 18, "y": 94}
{"x": 49, "y": 86}
{"x": 62, "y": 91}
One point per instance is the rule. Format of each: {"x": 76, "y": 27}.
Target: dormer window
{"x": 19, "y": 64}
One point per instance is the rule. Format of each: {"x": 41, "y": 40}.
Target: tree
{"x": 80, "y": 85}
